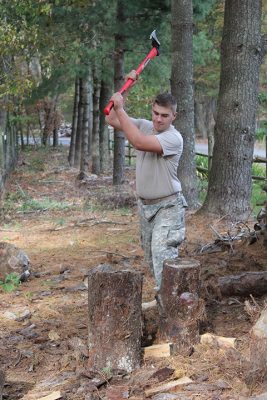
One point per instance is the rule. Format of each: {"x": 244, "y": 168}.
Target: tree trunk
{"x": 74, "y": 123}
{"x": 114, "y": 334}
{"x": 78, "y": 138}
{"x": 182, "y": 89}
{"x": 2, "y": 149}
{"x": 85, "y": 128}
{"x": 179, "y": 304}
{"x": 95, "y": 132}
{"x": 49, "y": 120}
{"x": 230, "y": 183}
{"x": 119, "y": 139}
{"x": 105, "y": 94}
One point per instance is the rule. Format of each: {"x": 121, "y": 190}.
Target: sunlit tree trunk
{"x": 78, "y": 137}
{"x": 105, "y": 94}
{"x": 182, "y": 89}
{"x": 85, "y": 128}
{"x": 119, "y": 140}
{"x": 95, "y": 132}
{"x": 230, "y": 184}
{"x": 74, "y": 123}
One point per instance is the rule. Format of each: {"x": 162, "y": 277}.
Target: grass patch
{"x": 42, "y": 205}
{"x": 10, "y": 283}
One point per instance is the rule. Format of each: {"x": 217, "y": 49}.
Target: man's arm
{"x": 138, "y": 140}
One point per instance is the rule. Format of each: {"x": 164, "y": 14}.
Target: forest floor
{"x": 66, "y": 227}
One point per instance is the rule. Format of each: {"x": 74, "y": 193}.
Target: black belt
{"x": 155, "y": 201}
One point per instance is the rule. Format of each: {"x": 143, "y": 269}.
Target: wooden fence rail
{"x": 130, "y": 155}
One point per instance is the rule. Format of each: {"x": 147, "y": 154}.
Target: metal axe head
{"x": 155, "y": 41}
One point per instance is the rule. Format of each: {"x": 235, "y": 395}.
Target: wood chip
{"x": 53, "y": 396}
{"x": 168, "y": 386}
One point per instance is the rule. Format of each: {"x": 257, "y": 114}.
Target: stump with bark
{"x": 2, "y": 382}
{"x": 258, "y": 350}
{"x": 114, "y": 335}
{"x": 180, "y": 306}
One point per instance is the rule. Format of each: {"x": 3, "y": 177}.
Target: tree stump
{"x": 114, "y": 334}
{"x": 180, "y": 307}
{"x": 2, "y": 382}
{"x": 258, "y": 349}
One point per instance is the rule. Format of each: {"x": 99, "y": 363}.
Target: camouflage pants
{"x": 162, "y": 228}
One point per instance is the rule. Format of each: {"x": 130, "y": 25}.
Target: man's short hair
{"x": 166, "y": 100}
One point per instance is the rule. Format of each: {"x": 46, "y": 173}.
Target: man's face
{"x": 162, "y": 117}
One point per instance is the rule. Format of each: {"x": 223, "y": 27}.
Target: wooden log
{"x": 179, "y": 304}
{"x": 258, "y": 349}
{"x": 247, "y": 283}
{"x": 114, "y": 331}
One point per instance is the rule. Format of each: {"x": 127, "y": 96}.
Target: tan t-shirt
{"x": 156, "y": 175}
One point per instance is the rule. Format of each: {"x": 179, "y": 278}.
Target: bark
{"x": 254, "y": 283}
{"x": 182, "y": 89}
{"x": 179, "y": 304}
{"x": 49, "y": 118}
{"x": 2, "y": 383}
{"x": 78, "y": 137}
{"x": 237, "y": 105}
{"x": 74, "y": 123}
{"x": 119, "y": 139}
{"x": 55, "y": 137}
{"x": 258, "y": 350}
{"x": 85, "y": 128}
{"x": 114, "y": 334}
{"x": 95, "y": 132}
{"x": 205, "y": 111}
{"x": 2, "y": 150}
{"x": 105, "y": 94}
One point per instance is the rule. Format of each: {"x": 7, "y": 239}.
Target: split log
{"x": 163, "y": 350}
{"x": 53, "y": 396}
{"x": 168, "y": 386}
{"x": 157, "y": 351}
{"x": 254, "y": 283}
{"x": 179, "y": 304}
{"x": 258, "y": 348}
{"x": 114, "y": 334}
{"x": 218, "y": 341}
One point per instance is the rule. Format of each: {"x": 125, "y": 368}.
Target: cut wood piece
{"x": 157, "y": 351}
{"x": 254, "y": 283}
{"x": 114, "y": 323}
{"x": 219, "y": 341}
{"x": 168, "y": 386}
{"x": 53, "y": 396}
{"x": 149, "y": 305}
{"x": 179, "y": 304}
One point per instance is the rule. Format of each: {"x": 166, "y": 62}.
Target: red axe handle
{"x": 153, "y": 53}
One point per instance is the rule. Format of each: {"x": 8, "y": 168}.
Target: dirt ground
{"x": 46, "y": 352}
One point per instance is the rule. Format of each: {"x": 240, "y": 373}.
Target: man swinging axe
{"x": 159, "y": 146}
